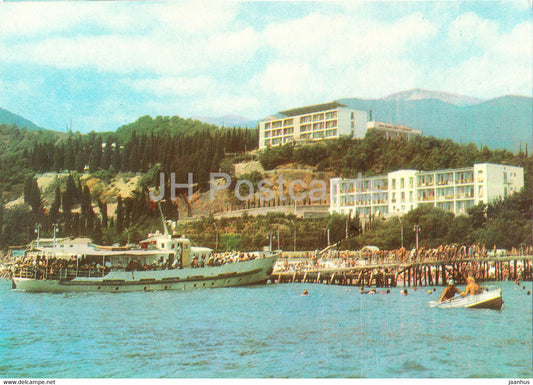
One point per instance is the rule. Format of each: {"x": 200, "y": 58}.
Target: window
{"x": 401, "y": 182}
{"x": 393, "y": 184}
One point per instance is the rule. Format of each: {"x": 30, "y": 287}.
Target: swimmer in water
{"x": 305, "y": 292}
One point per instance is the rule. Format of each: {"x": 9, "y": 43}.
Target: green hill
{"x": 8, "y": 117}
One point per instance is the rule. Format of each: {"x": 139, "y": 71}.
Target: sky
{"x": 103, "y": 64}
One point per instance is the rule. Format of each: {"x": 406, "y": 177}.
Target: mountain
{"x": 502, "y": 123}
{"x": 7, "y": 117}
{"x": 420, "y": 94}
{"x": 228, "y": 121}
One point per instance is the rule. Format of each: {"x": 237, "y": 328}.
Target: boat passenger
{"x": 450, "y": 291}
{"x": 472, "y": 287}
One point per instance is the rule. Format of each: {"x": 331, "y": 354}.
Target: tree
{"x": 96, "y": 155}
{"x": 69, "y": 197}
{"x": 119, "y": 223}
{"x": 102, "y": 206}
{"x": 54, "y": 209}
{"x": 87, "y": 213}
{"x": 337, "y": 227}
{"x": 17, "y": 226}
{"x": 32, "y": 194}
{"x": 477, "y": 215}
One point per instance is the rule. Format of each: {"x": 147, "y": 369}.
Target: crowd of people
{"x": 219, "y": 259}
{"x": 42, "y": 267}
{"x": 374, "y": 256}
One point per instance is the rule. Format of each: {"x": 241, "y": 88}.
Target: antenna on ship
{"x": 163, "y": 218}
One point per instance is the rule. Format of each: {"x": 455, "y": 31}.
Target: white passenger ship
{"x": 162, "y": 262}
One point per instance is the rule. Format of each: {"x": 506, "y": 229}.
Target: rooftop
{"x": 311, "y": 109}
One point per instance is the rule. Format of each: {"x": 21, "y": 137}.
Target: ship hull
{"x": 486, "y": 300}
{"x": 252, "y": 272}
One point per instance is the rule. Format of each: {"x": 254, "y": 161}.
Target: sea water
{"x": 268, "y": 331}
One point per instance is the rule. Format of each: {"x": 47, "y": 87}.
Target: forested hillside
{"x": 172, "y": 144}
{"x": 374, "y": 156}
{"x": 147, "y": 146}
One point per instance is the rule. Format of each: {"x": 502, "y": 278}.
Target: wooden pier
{"x": 426, "y": 273}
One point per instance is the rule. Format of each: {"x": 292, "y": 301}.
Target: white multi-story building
{"x": 391, "y": 130}
{"x": 312, "y": 123}
{"x": 454, "y": 190}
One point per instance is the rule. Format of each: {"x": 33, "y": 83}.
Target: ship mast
{"x": 163, "y": 218}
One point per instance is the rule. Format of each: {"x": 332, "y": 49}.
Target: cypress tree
{"x": 69, "y": 197}
{"x": 102, "y": 206}
{"x": 107, "y": 156}
{"x": 96, "y": 155}
{"x": 54, "y": 209}
{"x": 69, "y": 160}
{"x": 32, "y": 194}
{"x": 120, "y": 216}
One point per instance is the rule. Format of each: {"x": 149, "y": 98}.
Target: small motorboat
{"x": 488, "y": 299}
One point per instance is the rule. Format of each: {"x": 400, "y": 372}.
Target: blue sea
{"x": 269, "y": 331}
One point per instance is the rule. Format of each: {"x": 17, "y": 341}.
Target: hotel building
{"x": 454, "y": 190}
{"x": 312, "y": 123}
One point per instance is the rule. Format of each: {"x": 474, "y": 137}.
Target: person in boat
{"x": 450, "y": 291}
{"x": 472, "y": 287}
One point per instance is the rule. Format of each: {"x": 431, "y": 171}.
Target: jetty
{"x": 419, "y": 273}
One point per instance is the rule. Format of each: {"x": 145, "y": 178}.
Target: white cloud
{"x": 231, "y": 46}
{"x": 288, "y": 78}
{"x": 470, "y": 29}
{"x": 324, "y": 57}
{"x": 501, "y": 64}
{"x": 164, "y": 38}
{"x": 174, "y": 86}
{"x": 516, "y": 44}
{"x": 38, "y": 19}
{"x": 195, "y": 17}
{"x": 341, "y": 39}
{"x": 205, "y": 57}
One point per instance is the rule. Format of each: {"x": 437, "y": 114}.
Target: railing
{"x": 58, "y": 274}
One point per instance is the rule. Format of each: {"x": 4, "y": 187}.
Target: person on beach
{"x": 450, "y": 291}
{"x": 472, "y": 287}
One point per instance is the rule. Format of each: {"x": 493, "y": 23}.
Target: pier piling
{"x": 423, "y": 273}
